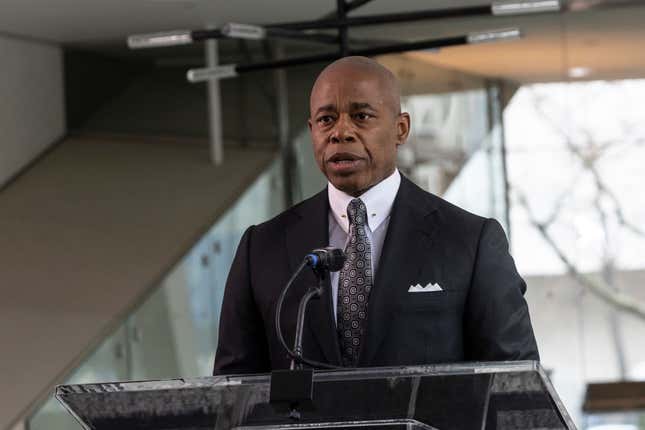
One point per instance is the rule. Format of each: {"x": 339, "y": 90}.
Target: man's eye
{"x": 326, "y": 119}
{"x": 362, "y": 116}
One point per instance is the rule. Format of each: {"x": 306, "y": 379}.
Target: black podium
{"x": 500, "y": 395}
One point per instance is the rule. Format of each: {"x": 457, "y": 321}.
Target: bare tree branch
{"x": 560, "y": 202}
{"x": 588, "y": 160}
{"x": 601, "y": 289}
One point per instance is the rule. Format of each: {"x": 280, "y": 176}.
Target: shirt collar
{"x": 378, "y": 201}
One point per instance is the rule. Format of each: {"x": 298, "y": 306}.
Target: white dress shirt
{"x": 378, "y": 201}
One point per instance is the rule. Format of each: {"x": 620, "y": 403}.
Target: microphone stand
{"x": 291, "y": 391}
{"x": 312, "y": 293}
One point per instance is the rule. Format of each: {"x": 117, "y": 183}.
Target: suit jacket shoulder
{"x": 452, "y": 221}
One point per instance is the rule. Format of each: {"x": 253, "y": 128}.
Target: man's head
{"x": 356, "y": 123}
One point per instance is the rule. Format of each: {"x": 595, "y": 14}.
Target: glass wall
{"x": 575, "y": 159}
{"x": 463, "y": 164}
{"x": 173, "y": 333}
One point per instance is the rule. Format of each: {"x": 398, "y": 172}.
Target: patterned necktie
{"x": 354, "y": 285}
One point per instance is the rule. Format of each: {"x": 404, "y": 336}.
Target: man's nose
{"x": 343, "y": 131}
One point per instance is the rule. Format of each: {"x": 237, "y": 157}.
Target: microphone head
{"x": 327, "y": 258}
{"x": 335, "y": 259}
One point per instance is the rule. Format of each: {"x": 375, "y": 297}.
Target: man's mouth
{"x": 344, "y": 161}
{"x": 343, "y": 157}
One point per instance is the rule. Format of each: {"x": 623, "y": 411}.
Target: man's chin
{"x": 348, "y": 184}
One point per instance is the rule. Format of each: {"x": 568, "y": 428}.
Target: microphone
{"x": 327, "y": 258}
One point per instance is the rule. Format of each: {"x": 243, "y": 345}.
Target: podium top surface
{"x": 495, "y": 395}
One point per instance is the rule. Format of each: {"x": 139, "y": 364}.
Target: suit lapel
{"x": 310, "y": 231}
{"x": 404, "y": 253}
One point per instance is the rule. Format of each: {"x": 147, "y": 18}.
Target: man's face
{"x": 355, "y": 128}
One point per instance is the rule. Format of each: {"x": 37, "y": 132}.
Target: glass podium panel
{"x": 359, "y": 425}
{"x": 491, "y": 396}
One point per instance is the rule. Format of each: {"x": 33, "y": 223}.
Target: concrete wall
{"x": 31, "y": 102}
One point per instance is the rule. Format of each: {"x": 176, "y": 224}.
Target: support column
{"x": 495, "y": 109}
{"x": 286, "y": 148}
{"x": 341, "y": 14}
{"x": 215, "y": 137}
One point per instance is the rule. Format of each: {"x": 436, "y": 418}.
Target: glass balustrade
{"x": 173, "y": 333}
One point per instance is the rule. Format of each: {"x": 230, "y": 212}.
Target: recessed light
{"x": 579, "y": 72}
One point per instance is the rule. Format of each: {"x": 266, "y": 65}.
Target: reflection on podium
{"x": 501, "y": 396}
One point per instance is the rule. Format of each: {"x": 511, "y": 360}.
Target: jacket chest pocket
{"x": 427, "y": 327}
{"x": 435, "y": 302}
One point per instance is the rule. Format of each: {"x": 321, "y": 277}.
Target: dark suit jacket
{"x": 480, "y": 315}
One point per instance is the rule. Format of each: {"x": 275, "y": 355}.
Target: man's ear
{"x": 310, "y": 124}
{"x": 402, "y": 128}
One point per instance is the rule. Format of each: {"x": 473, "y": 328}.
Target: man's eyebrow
{"x": 325, "y": 108}
{"x": 361, "y": 105}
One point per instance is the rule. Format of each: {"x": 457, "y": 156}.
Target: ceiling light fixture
{"x": 232, "y": 70}
{"x": 206, "y": 74}
{"x": 346, "y": 45}
{"x": 494, "y": 35}
{"x": 244, "y": 31}
{"x": 158, "y": 40}
{"x": 523, "y": 7}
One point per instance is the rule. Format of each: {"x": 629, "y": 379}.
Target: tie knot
{"x": 357, "y": 212}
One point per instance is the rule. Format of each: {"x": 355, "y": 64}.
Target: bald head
{"x": 356, "y": 123}
{"x": 352, "y": 69}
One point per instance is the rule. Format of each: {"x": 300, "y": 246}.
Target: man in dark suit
{"x": 424, "y": 282}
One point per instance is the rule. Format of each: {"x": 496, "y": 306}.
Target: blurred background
{"x": 124, "y": 188}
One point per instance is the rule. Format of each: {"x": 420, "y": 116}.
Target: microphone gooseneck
{"x": 321, "y": 261}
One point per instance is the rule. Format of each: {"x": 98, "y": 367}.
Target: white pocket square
{"x": 430, "y": 288}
